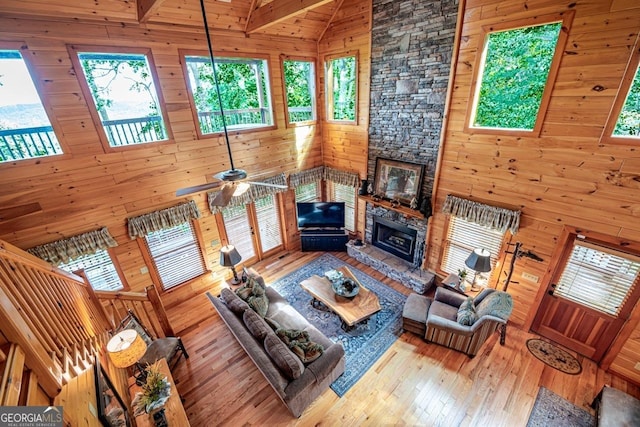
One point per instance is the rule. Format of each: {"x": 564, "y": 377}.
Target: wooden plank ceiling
{"x": 304, "y": 19}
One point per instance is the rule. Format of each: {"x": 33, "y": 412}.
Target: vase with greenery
{"x": 155, "y": 392}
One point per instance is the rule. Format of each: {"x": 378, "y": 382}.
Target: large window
{"x": 25, "y": 129}
{"x": 342, "y": 88}
{"x": 176, "y": 255}
{"x": 244, "y": 89}
{"x": 127, "y": 104}
{"x": 462, "y": 238}
{"x": 268, "y": 219}
{"x": 515, "y": 74}
{"x": 624, "y": 122}
{"x": 239, "y": 230}
{"x": 346, "y": 194}
{"x": 598, "y": 277}
{"x": 299, "y": 84}
{"x": 99, "y": 269}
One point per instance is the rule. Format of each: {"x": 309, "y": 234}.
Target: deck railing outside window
{"x": 26, "y": 143}
{"x": 134, "y": 131}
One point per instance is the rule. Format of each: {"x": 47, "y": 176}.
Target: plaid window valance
{"x": 142, "y": 225}
{"x": 308, "y": 176}
{"x": 488, "y": 216}
{"x": 337, "y": 176}
{"x": 64, "y": 250}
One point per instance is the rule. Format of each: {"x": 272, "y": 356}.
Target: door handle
{"x": 552, "y": 290}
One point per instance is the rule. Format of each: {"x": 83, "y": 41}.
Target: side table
{"x": 174, "y": 411}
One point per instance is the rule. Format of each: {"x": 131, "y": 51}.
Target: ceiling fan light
{"x": 241, "y": 188}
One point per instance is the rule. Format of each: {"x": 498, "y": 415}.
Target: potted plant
{"x": 155, "y": 393}
{"x": 462, "y": 274}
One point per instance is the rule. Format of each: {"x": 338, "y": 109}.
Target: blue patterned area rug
{"x": 363, "y": 346}
{"x": 551, "y": 410}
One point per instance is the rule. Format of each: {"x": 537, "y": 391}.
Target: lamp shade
{"x": 229, "y": 256}
{"x": 479, "y": 260}
{"x": 126, "y": 348}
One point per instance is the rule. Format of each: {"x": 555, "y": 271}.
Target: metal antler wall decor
{"x": 517, "y": 253}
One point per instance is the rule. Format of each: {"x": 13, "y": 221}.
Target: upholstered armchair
{"x": 457, "y": 321}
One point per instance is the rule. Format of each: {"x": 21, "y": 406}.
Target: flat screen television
{"x": 320, "y": 214}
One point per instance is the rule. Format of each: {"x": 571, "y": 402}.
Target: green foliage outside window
{"x": 515, "y": 73}
{"x": 244, "y": 89}
{"x": 343, "y": 88}
{"x": 628, "y": 123}
{"x": 299, "y": 85}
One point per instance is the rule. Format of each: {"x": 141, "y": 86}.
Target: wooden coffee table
{"x": 351, "y": 311}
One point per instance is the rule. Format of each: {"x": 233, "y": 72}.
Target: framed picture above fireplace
{"x": 396, "y": 180}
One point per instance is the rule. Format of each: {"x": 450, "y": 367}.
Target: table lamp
{"x": 229, "y": 257}
{"x": 125, "y": 349}
{"x": 479, "y": 261}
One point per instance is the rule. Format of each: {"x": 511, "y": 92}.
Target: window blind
{"x": 346, "y": 194}
{"x": 236, "y": 223}
{"x": 98, "y": 268}
{"x": 598, "y": 277}
{"x": 307, "y": 192}
{"x": 462, "y": 238}
{"x": 269, "y": 222}
{"x": 176, "y": 254}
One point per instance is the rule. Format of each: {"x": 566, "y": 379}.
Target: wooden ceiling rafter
{"x": 254, "y": 6}
{"x": 146, "y": 8}
{"x": 278, "y": 11}
{"x": 333, "y": 16}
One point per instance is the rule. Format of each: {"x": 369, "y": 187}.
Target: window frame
{"x": 314, "y": 90}
{"x": 183, "y": 53}
{"x": 328, "y": 84}
{"x": 41, "y": 89}
{"x": 495, "y": 258}
{"x": 474, "y": 91}
{"x": 75, "y": 49}
{"x": 112, "y": 256}
{"x": 150, "y": 261}
{"x": 633, "y": 67}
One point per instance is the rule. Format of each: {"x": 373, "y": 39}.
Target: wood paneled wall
{"x": 567, "y": 176}
{"x": 345, "y": 146}
{"x": 88, "y": 188}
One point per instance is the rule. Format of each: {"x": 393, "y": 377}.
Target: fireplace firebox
{"x": 394, "y": 238}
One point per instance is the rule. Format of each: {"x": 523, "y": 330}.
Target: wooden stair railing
{"x": 51, "y": 315}
{"x": 147, "y": 306}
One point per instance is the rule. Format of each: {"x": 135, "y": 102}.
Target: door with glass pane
{"x": 254, "y": 229}
{"x": 592, "y": 291}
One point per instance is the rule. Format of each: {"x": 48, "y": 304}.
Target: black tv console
{"x": 319, "y": 239}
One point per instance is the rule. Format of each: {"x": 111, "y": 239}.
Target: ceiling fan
{"x": 231, "y": 182}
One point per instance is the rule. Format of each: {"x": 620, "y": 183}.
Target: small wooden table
{"x": 350, "y": 310}
{"x": 174, "y": 411}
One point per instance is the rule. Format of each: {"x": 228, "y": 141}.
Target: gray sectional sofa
{"x": 297, "y": 384}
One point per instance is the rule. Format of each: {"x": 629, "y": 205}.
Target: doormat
{"x": 551, "y": 410}
{"x": 554, "y": 356}
{"x": 361, "y": 349}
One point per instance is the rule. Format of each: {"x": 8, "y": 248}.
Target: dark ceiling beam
{"x": 146, "y": 8}
{"x": 280, "y": 10}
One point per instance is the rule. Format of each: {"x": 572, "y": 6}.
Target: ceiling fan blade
{"x": 224, "y": 195}
{"x": 267, "y": 184}
{"x": 198, "y": 188}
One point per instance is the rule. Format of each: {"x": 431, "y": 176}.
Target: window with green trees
{"x": 514, "y": 71}
{"x": 299, "y": 85}
{"x": 244, "y": 89}
{"x": 125, "y": 97}
{"x": 342, "y": 84}
{"x": 628, "y": 123}
{"x": 25, "y": 129}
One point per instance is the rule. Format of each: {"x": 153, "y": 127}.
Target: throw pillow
{"x": 498, "y": 303}
{"x": 233, "y": 301}
{"x": 271, "y": 322}
{"x": 254, "y": 293}
{"x": 299, "y": 342}
{"x": 255, "y": 324}
{"x": 290, "y": 366}
{"x": 467, "y": 313}
{"x": 251, "y": 273}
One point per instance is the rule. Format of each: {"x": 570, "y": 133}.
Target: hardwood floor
{"x": 413, "y": 383}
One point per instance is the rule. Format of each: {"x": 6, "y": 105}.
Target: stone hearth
{"x": 393, "y": 267}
